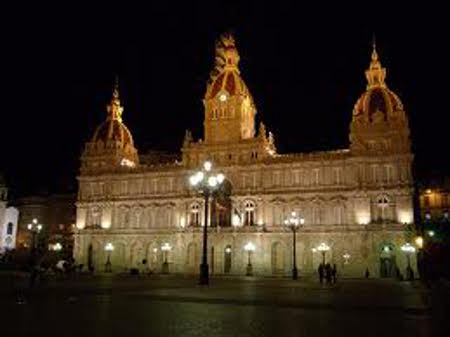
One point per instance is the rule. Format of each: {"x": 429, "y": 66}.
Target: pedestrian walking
{"x": 334, "y": 273}
{"x": 328, "y": 273}
{"x": 321, "y": 273}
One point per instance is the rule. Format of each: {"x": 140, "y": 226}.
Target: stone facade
{"x": 355, "y": 200}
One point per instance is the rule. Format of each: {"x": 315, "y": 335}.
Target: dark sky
{"x": 304, "y": 67}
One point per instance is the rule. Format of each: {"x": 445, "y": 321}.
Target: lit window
{"x": 127, "y": 162}
{"x": 249, "y": 216}
{"x": 195, "y": 215}
{"x": 9, "y": 229}
{"x": 383, "y": 202}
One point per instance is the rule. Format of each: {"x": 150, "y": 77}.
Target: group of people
{"x": 328, "y": 273}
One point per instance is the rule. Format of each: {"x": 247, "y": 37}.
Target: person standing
{"x": 321, "y": 273}
{"x": 328, "y": 273}
{"x": 334, "y": 273}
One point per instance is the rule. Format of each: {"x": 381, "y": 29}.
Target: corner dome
{"x": 375, "y": 101}
{"x": 115, "y": 131}
{"x": 378, "y": 102}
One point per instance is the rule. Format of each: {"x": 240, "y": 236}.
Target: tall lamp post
{"x": 206, "y": 183}
{"x": 420, "y": 267}
{"x": 35, "y": 228}
{"x": 108, "y": 248}
{"x": 249, "y": 248}
{"x": 294, "y": 222}
{"x": 165, "y": 248}
{"x": 323, "y": 248}
{"x": 408, "y": 249}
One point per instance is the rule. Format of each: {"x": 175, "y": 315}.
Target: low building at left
{"x": 8, "y": 219}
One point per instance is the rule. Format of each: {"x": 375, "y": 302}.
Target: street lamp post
{"x": 108, "y": 248}
{"x": 206, "y": 183}
{"x": 57, "y": 247}
{"x": 294, "y": 222}
{"x": 408, "y": 249}
{"x": 165, "y": 248}
{"x": 249, "y": 247}
{"x": 346, "y": 257}
{"x": 419, "y": 262}
{"x": 34, "y": 228}
{"x": 323, "y": 248}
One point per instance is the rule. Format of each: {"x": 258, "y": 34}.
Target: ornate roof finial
{"x": 114, "y": 108}
{"x": 376, "y": 74}
{"x": 116, "y": 86}
{"x": 262, "y": 131}
{"x": 227, "y": 55}
{"x": 374, "y": 48}
{"x": 187, "y": 138}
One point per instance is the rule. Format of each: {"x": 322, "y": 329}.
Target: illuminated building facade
{"x": 56, "y": 213}
{"x": 356, "y": 200}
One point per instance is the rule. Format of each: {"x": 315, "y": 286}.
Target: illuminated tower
{"x": 379, "y": 124}
{"x": 229, "y": 117}
{"x": 112, "y": 143}
{"x": 229, "y": 108}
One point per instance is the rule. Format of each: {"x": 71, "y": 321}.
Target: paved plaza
{"x": 169, "y": 306}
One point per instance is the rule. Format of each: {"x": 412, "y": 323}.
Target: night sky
{"x": 304, "y": 68}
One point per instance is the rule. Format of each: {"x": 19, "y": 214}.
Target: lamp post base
{"x": 249, "y": 271}
{"x": 204, "y": 274}
{"x": 165, "y": 268}
{"x": 108, "y": 267}
{"x": 294, "y": 274}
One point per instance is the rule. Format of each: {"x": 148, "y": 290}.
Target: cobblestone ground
{"x": 125, "y": 306}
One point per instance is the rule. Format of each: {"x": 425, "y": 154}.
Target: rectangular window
{"x": 244, "y": 180}
{"x": 296, "y": 177}
{"x": 337, "y": 175}
{"x": 374, "y": 174}
{"x": 155, "y": 185}
{"x": 427, "y": 201}
{"x": 170, "y": 184}
{"x": 124, "y": 187}
{"x": 316, "y": 176}
{"x": 276, "y": 178}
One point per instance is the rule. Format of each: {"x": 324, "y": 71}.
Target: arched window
{"x": 9, "y": 229}
{"x": 249, "y": 216}
{"x": 194, "y": 217}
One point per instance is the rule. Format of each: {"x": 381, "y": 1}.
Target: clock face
{"x": 223, "y": 97}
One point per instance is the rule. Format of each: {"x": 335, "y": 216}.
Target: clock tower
{"x": 229, "y": 108}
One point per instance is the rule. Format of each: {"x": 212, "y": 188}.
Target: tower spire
{"x": 374, "y": 48}
{"x": 116, "y": 86}
{"x": 227, "y": 56}
{"x": 114, "y": 108}
{"x": 376, "y": 74}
